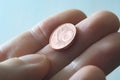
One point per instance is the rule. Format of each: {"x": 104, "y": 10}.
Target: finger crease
{"x": 39, "y": 34}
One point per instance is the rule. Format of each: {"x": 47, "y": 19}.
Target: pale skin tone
{"x": 94, "y": 53}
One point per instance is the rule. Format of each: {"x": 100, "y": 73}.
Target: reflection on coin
{"x": 63, "y": 36}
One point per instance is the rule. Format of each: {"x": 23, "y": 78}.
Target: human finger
{"x": 29, "y": 67}
{"x": 103, "y": 54}
{"x": 89, "y": 31}
{"x": 89, "y": 72}
{"x": 37, "y": 37}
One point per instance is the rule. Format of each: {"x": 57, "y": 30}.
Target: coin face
{"x": 63, "y": 36}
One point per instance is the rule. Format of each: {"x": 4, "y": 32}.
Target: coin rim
{"x": 70, "y": 42}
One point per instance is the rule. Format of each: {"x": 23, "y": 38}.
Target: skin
{"x": 89, "y": 72}
{"x": 29, "y": 55}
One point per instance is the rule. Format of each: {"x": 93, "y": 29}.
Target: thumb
{"x": 89, "y": 73}
{"x": 28, "y": 67}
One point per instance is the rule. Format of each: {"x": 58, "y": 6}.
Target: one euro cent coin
{"x": 63, "y": 36}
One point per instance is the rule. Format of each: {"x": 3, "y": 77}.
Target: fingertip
{"x": 77, "y": 11}
{"x": 89, "y": 73}
{"x": 79, "y": 15}
{"x": 110, "y": 16}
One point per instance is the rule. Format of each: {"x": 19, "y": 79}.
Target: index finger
{"x": 37, "y": 37}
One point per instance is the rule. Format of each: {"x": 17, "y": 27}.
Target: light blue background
{"x": 17, "y": 16}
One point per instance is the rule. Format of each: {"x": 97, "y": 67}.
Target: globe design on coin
{"x": 63, "y": 36}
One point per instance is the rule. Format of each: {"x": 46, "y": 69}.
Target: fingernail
{"x": 33, "y": 58}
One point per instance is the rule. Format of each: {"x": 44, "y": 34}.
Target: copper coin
{"x": 63, "y": 36}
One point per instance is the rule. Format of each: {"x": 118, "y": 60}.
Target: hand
{"x": 97, "y": 43}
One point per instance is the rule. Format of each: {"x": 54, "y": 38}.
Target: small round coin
{"x": 63, "y": 36}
